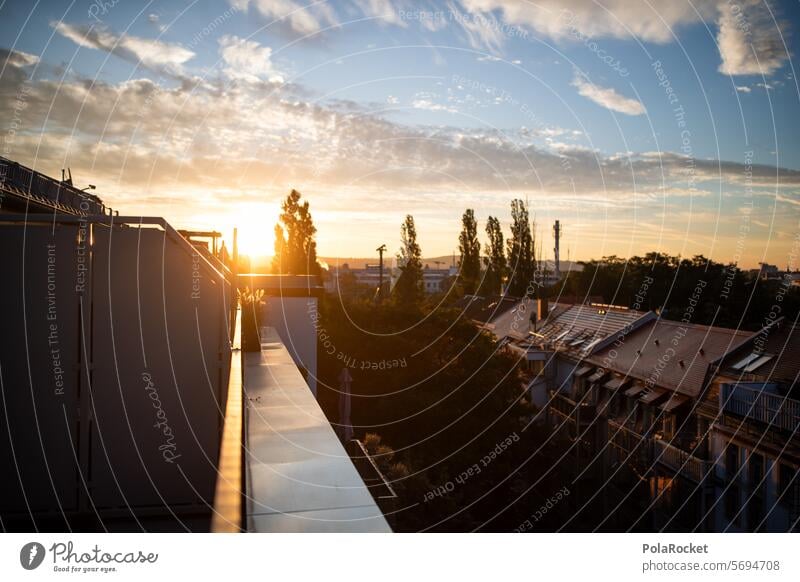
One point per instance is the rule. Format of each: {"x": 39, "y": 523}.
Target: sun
{"x": 255, "y": 225}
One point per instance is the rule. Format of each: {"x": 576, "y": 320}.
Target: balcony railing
{"x": 760, "y": 406}
{"x": 572, "y": 409}
{"x": 682, "y": 462}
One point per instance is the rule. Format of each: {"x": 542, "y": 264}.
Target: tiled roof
{"x": 780, "y": 341}
{"x": 670, "y": 354}
{"x": 580, "y": 328}
{"x": 485, "y": 309}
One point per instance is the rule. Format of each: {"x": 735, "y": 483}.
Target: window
{"x": 744, "y": 361}
{"x": 669, "y": 426}
{"x": 731, "y": 460}
{"x": 787, "y": 478}
{"x": 757, "y": 363}
{"x": 535, "y": 366}
{"x": 732, "y": 505}
{"x": 755, "y": 471}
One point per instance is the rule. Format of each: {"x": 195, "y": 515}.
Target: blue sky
{"x": 641, "y": 127}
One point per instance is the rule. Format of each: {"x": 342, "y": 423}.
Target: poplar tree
{"x": 521, "y": 259}
{"x": 470, "y": 248}
{"x": 295, "y": 247}
{"x": 408, "y": 290}
{"x": 495, "y": 259}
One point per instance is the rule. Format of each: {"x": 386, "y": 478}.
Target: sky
{"x": 641, "y": 126}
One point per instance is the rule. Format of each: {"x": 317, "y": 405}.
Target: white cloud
{"x": 429, "y": 105}
{"x": 382, "y": 9}
{"x": 483, "y": 31}
{"x": 743, "y": 89}
{"x": 749, "y": 39}
{"x": 155, "y": 21}
{"x": 247, "y": 59}
{"x": 607, "y": 98}
{"x": 150, "y": 53}
{"x": 612, "y": 18}
{"x": 17, "y": 58}
{"x": 300, "y": 19}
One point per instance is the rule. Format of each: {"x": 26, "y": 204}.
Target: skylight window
{"x": 745, "y": 361}
{"x": 757, "y": 363}
{"x": 561, "y": 335}
{"x": 591, "y": 344}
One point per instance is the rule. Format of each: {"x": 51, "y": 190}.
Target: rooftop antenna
{"x": 557, "y": 236}
{"x": 381, "y": 249}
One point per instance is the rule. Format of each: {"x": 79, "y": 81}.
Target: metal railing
{"x": 760, "y": 406}
{"x": 682, "y": 462}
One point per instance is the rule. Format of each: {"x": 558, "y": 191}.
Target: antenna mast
{"x": 557, "y": 236}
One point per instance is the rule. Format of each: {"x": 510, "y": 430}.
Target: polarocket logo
{"x": 31, "y": 555}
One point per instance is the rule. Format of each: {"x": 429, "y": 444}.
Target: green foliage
{"x": 408, "y": 289}
{"x": 496, "y": 259}
{"x": 437, "y": 393}
{"x": 470, "y": 249}
{"x": 723, "y": 295}
{"x": 521, "y": 260}
{"x": 295, "y": 247}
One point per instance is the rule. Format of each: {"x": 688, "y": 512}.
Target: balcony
{"x": 682, "y": 462}
{"x": 761, "y": 406}
{"x": 298, "y": 476}
{"x": 575, "y": 411}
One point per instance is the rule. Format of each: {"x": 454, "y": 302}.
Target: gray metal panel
{"x": 39, "y": 336}
{"x": 160, "y": 366}
{"x": 299, "y": 476}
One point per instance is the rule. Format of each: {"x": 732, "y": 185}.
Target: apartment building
{"x": 752, "y": 413}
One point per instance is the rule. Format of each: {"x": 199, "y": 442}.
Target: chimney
{"x": 542, "y": 308}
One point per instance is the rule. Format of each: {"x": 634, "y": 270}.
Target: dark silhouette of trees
{"x": 698, "y": 289}
{"x": 438, "y": 411}
{"x": 470, "y": 249}
{"x": 496, "y": 258}
{"x": 521, "y": 260}
{"x": 408, "y": 290}
{"x": 295, "y": 247}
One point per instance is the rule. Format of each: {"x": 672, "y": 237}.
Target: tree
{"x": 496, "y": 259}
{"x": 470, "y": 248}
{"x": 280, "y": 251}
{"x": 408, "y": 289}
{"x": 521, "y": 260}
{"x": 295, "y": 247}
